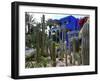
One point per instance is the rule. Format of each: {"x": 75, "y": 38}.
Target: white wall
{"x": 5, "y": 40}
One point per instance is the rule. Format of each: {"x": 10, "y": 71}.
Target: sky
{"x": 38, "y": 16}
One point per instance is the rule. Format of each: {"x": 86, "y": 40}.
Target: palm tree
{"x": 29, "y": 21}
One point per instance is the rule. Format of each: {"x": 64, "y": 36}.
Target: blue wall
{"x": 70, "y": 23}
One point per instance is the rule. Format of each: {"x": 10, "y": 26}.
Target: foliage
{"x": 43, "y": 63}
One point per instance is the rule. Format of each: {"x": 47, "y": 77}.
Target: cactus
{"x": 53, "y": 54}
{"x": 74, "y": 49}
{"x": 37, "y": 48}
{"x": 85, "y": 44}
{"x": 43, "y": 35}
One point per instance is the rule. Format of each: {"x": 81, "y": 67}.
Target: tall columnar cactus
{"x": 74, "y": 49}
{"x": 76, "y": 52}
{"x": 62, "y": 43}
{"x": 65, "y": 52}
{"x": 37, "y": 47}
{"x": 53, "y": 54}
{"x": 85, "y": 44}
{"x": 43, "y": 35}
{"x": 47, "y": 46}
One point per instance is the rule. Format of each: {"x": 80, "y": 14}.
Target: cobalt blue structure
{"x": 71, "y": 24}
{"x": 68, "y": 23}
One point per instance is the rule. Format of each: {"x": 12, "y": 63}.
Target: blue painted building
{"x": 69, "y": 23}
